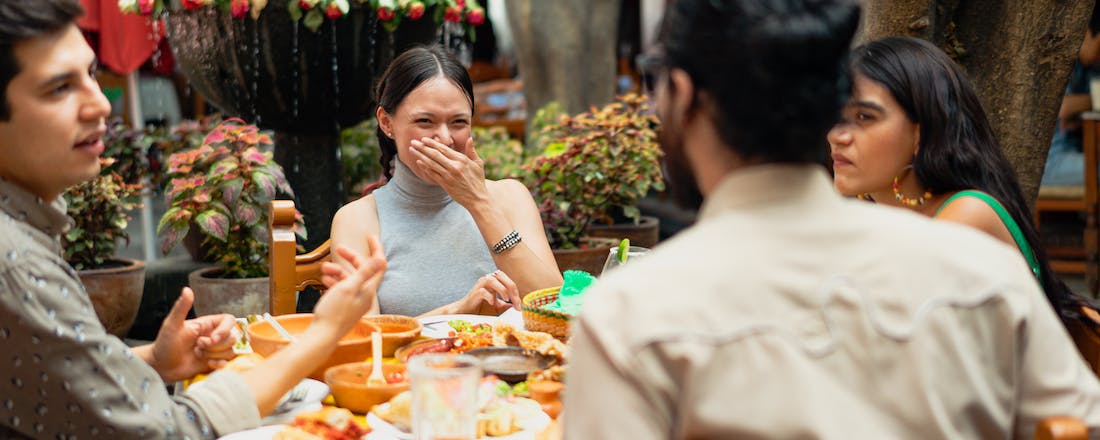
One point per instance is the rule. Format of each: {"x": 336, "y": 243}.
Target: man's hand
{"x": 185, "y": 348}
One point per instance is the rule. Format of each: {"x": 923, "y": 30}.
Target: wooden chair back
{"x": 1083, "y": 259}
{"x": 290, "y": 272}
{"x": 1087, "y": 338}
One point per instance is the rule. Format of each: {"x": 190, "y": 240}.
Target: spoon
{"x": 376, "y": 378}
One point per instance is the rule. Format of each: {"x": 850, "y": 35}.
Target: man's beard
{"x": 681, "y": 179}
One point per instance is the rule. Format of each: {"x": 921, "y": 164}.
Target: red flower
{"x": 461, "y": 3}
{"x": 385, "y": 14}
{"x": 453, "y": 14}
{"x": 333, "y": 12}
{"x": 304, "y": 5}
{"x": 145, "y": 6}
{"x": 475, "y": 16}
{"x": 239, "y": 8}
{"x": 416, "y": 10}
{"x": 192, "y": 4}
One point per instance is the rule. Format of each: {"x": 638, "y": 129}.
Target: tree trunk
{"x": 1018, "y": 53}
{"x": 566, "y": 51}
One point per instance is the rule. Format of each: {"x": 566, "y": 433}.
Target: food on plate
{"x": 470, "y": 336}
{"x": 500, "y": 411}
{"x": 240, "y": 363}
{"x": 328, "y": 423}
{"x": 399, "y": 411}
{"x": 541, "y": 342}
{"x": 552, "y": 374}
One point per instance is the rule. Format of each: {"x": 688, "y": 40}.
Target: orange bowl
{"x": 397, "y": 331}
{"x": 348, "y": 383}
{"x": 353, "y": 347}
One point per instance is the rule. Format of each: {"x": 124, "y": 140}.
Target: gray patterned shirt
{"x": 63, "y": 375}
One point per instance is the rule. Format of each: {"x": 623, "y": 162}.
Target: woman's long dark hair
{"x": 407, "y": 72}
{"x": 958, "y": 149}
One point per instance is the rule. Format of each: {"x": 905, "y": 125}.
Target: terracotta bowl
{"x": 353, "y": 347}
{"x": 397, "y": 331}
{"x": 348, "y": 383}
{"x": 422, "y": 346}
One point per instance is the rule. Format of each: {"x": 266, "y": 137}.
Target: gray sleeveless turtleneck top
{"x": 434, "y": 250}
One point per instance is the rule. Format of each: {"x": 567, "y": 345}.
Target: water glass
{"x": 613, "y": 256}
{"x": 444, "y": 396}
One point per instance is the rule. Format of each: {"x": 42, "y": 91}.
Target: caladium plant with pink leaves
{"x": 223, "y": 186}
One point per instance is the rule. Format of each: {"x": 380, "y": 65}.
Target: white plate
{"x": 261, "y": 433}
{"x": 436, "y": 326}
{"x": 315, "y": 392}
{"x": 383, "y": 430}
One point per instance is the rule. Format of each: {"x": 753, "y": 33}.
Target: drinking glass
{"x": 631, "y": 253}
{"x": 444, "y": 396}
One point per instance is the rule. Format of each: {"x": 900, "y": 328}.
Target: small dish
{"x": 350, "y": 390}
{"x": 397, "y": 331}
{"x": 354, "y": 346}
{"x": 441, "y": 345}
{"x": 511, "y": 364}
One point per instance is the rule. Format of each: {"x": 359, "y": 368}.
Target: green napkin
{"x": 571, "y": 295}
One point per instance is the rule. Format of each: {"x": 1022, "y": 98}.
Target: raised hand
{"x": 460, "y": 173}
{"x": 185, "y": 348}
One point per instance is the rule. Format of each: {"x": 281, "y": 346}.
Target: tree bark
{"x": 566, "y": 51}
{"x": 1018, "y": 53}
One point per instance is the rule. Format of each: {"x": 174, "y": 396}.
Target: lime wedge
{"x": 624, "y": 246}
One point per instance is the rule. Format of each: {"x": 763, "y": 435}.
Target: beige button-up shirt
{"x": 790, "y": 312}
{"x": 63, "y": 375}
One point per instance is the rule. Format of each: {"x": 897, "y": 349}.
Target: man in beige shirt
{"x": 63, "y": 375}
{"x": 788, "y": 311}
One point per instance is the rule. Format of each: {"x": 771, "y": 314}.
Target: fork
{"x": 296, "y": 395}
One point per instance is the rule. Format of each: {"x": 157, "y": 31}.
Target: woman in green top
{"x": 914, "y": 135}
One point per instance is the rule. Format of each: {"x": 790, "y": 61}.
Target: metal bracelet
{"x": 509, "y": 241}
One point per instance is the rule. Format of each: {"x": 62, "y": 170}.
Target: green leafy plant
{"x": 594, "y": 167}
{"x": 224, "y": 187}
{"x": 99, "y": 209}
{"x": 503, "y": 155}
{"x": 129, "y": 150}
{"x": 359, "y": 155}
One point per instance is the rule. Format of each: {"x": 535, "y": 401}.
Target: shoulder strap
{"x": 1006, "y": 219}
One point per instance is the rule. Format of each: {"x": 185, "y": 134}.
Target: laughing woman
{"x": 914, "y": 135}
{"x": 455, "y": 242}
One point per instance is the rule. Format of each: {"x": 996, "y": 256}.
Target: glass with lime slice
{"x": 619, "y": 255}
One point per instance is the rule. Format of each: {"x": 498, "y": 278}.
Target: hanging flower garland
{"x": 312, "y": 13}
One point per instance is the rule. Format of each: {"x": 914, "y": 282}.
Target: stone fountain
{"x": 304, "y": 85}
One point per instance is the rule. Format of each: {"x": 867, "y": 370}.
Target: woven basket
{"x": 536, "y": 317}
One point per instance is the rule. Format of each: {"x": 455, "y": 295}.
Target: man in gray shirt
{"x": 63, "y": 375}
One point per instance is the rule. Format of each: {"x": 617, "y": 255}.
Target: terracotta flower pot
{"x": 238, "y": 297}
{"x": 116, "y": 293}
{"x": 589, "y": 259}
{"x": 644, "y": 234}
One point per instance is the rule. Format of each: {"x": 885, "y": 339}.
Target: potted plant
{"x": 594, "y": 168}
{"x": 305, "y": 68}
{"x": 223, "y": 188}
{"x": 503, "y": 155}
{"x": 99, "y": 209}
{"x": 359, "y": 158}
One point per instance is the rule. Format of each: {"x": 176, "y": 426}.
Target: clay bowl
{"x": 397, "y": 331}
{"x": 441, "y": 345}
{"x": 353, "y": 347}
{"x": 348, "y": 383}
{"x": 511, "y": 364}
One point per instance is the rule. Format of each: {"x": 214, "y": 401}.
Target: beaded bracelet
{"x": 509, "y": 241}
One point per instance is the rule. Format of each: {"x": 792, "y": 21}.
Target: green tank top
{"x": 1010, "y": 224}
